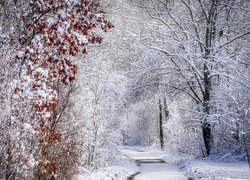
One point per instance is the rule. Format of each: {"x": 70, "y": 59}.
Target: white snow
{"x": 72, "y": 2}
{"x": 81, "y": 38}
{"x": 177, "y": 167}
{"x": 210, "y": 170}
{"x": 151, "y": 168}
{"x": 123, "y": 168}
{"x": 108, "y": 173}
{"x": 62, "y": 13}
{"x": 60, "y": 30}
{"x": 140, "y": 153}
{"x": 20, "y": 54}
{"x": 163, "y": 171}
{"x": 51, "y": 21}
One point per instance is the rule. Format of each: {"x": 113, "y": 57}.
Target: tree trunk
{"x": 166, "y": 111}
{"x": 247, "y": 142}
{"x": 206, "y": 126}
{"x": 209, "y": 38}
{"x": 160, "y": 125}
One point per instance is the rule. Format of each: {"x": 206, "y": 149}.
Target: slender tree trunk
{"x": 160, "y": 125}
{"x": 206, "y": 126}
{"x": 246, "y": 139}
{"x": 166, "y": 111}
{"x": 9, "y": 172}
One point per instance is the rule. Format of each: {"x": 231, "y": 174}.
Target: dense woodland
{"x": 81, "y": 78}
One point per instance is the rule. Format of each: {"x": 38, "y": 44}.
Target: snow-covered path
{"x": 151, "y": 166}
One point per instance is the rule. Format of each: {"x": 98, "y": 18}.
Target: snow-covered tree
{"x": 199, "y": 39}
{"x": 100, "y": 102}
{"x": 50, "y": 36}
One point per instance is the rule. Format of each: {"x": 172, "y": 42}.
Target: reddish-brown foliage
{"x": 56, "y": 31}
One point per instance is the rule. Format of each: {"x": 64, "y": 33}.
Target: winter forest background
{"x": 78, "y": 81}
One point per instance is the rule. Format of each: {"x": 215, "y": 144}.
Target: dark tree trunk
{"x": 166, "y": 111}
{"x": 160, "y": 125}
{"x": 246, "y": 139}
{"x": 209, "y": 38}
{"x": 206, "y": 126}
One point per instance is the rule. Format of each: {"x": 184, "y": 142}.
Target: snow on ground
{"x": 108, "y": 173}
{"x": 203, "y": 169}
{"x": 120, "y": 171}
{"x": 137, "y": 153}
{"x": 161, "y": 171}
{"x": 151, "y": 165}
{"x": 212, "y": 170}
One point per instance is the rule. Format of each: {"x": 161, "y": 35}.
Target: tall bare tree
{"x": 199, "y": 39}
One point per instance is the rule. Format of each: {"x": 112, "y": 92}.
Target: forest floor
{"x": 213, "y": 170}
{"x": 152, "y": 166}
{"x": 144, "y": 163}
{"x": 160, "y": 165}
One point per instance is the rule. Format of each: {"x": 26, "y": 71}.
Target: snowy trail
{"x": 151, "y": 166}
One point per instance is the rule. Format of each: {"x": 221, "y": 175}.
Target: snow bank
{"x": 211, "y": 170}
{"x": 123, "y": 168}
{"x": 107, "y": 173}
